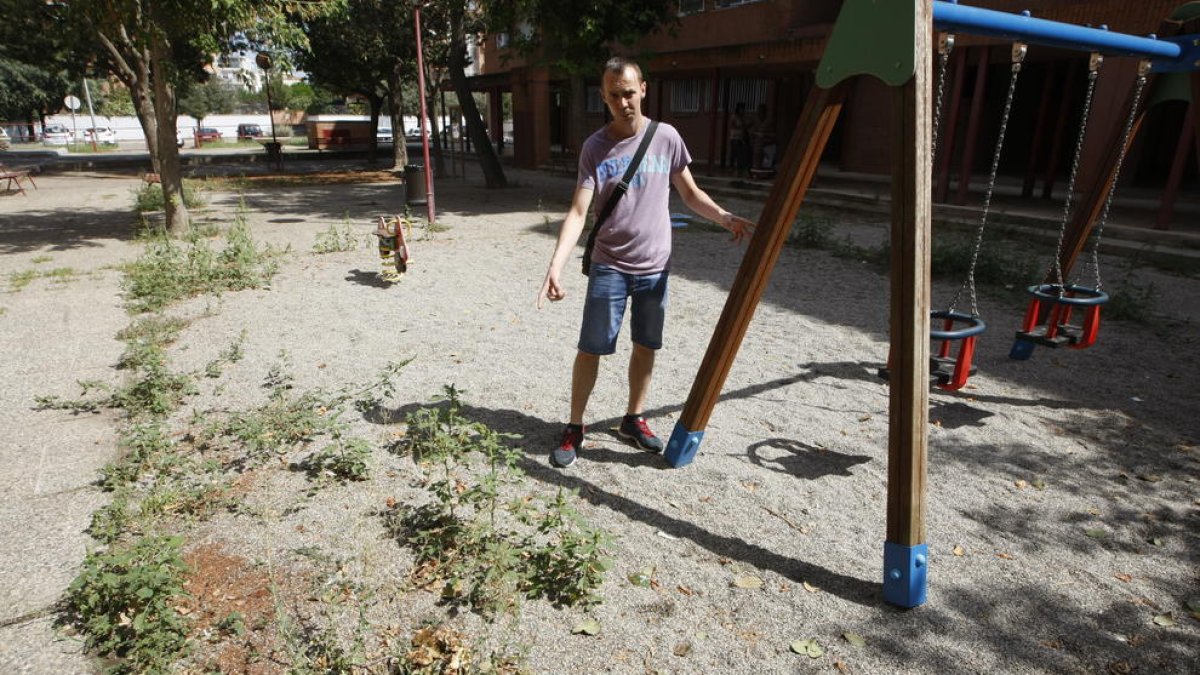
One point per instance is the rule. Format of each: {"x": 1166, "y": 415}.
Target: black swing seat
{"x": 941, "y": 370}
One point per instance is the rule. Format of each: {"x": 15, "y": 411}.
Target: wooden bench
{"x": 14, "y": 177}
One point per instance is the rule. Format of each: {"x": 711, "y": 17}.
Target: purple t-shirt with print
{"x": 636, "y": 238}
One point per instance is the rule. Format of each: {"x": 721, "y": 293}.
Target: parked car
{"x": 383, "y": 135}
{"x": 249, "y": 132}
{"x": 208, "y": 134}
{"x": 56, "y": 134}
{"x": 101, "y": 134}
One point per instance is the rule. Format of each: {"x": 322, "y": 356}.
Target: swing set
{"x": 900, "y": 34}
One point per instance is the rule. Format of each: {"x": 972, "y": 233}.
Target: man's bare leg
{"x": 583, "y": 380}
{"x": 641, "y": 369}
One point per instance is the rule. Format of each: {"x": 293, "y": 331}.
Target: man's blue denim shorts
{"x": 604, "y": 309}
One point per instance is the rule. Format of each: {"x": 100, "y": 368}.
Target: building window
{"x": 501, "y": 40}
{"x": 689, "y": 6}
{"x": 595, "y": 102}
{"x": 751, "y": 92}
{"x": 688, "y": 96}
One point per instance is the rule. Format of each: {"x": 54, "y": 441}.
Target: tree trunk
{"x": 399, "y": 133}
{"x": 489, "y": 163}
{"x": 143, "y": 106}
{"x": 376, "y": 102}
{"x": 170, "y": 172}
{"x": 435, "y": 145}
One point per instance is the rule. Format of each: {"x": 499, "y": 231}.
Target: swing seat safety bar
{"x": 1178, "y": 53}
{"x": 1054, "y": 304}
{"x": 946, "y": 371}
{"x": 951, "y": 373}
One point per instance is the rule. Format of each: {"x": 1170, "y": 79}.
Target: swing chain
{"x": 945, "y": 46}
{"x": 1019, "y": 50}
{"x": 1143, "y": 73}
{"x": 1094, "y": 64}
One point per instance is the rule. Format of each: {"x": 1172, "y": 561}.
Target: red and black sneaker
{"x": 568, "y": 448}
{"x": 634, "y": 428}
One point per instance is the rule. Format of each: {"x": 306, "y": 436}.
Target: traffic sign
{"x": 72, "y": 102}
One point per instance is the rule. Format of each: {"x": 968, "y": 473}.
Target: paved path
{"x": 54, "y": 333}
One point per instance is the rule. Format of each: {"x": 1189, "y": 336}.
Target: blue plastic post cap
{"x": 1022, "y": 350}
{"x": 905, "y": 574}
{"x": 682, "y": 446}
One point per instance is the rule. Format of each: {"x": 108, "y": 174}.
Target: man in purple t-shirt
{"x": 632, "y": 255}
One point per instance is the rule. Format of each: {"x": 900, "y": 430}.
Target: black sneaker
{"x": 634, "y": 428}
{"x": 568, "y": 448}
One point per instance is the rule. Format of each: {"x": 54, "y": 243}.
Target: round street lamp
{"x": 274, "y": 151}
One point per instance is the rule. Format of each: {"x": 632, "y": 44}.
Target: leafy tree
{"x": 111, "y": 98}
{"x": 366, "y": 49}
{"x": 575, "y": 36}
{"x": 466, "y": 18}
{"x": 157, "y": 46}
{"x": 313, "y": 100}
{"x": 37, "y": 61}
{"x": 213, "y": 96}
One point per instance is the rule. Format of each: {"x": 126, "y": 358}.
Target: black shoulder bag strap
{"x": 616, "y": 195}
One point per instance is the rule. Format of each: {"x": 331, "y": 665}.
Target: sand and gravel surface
{"x": 1063, "y": 502}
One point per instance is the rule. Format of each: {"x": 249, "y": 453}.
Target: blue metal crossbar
{"x": 1173, "y": 54}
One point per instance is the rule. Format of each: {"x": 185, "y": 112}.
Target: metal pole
{"x": 424, "y": 115}
{"x": 87, "y": 93}
{"x": 956, "y": 18}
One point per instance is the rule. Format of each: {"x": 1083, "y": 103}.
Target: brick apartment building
{"x": 764, "y": 53}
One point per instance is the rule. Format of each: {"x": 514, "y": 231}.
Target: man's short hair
{"x": 617, "y": 65}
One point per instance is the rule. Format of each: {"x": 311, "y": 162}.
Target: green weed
{"x": 812, "y": 231}
{"x": 58, "y": 275}
{"x": 435, "y": 227}
{"x": 1131, "y": 300}
{"x": 168, "y": 271}
{"x": 231, "y": 354}
{"x": 162, "y": 330}
{"x": 337, "y": 239}
{"x": 37, "y": 260}
{"x": 344, "y": 459}
{"x": 149, "y": 197}
{"x": 486, "y": 549}
{"x": 124, "y": 603}
{"x": 112, "y": 520}
{"x": 143, "y": 446}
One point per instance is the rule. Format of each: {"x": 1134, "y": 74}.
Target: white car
{"x": 101, "y": 135}
{"x": 383, "y": 135}
{"x": 56, "y": 134}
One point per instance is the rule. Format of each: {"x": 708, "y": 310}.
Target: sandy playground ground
{"x": 1062, "y": 504}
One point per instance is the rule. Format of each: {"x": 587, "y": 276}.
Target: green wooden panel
{"x": 871, "y": 37}
{"x": 1170, "y": 87}
{"x": 1186, "y": 12}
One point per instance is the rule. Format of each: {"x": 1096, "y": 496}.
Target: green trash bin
{"x": 414, "y": 185}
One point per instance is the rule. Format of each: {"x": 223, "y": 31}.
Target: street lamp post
{"x": 424, "y": 116}
{"x": 275, "y": 152}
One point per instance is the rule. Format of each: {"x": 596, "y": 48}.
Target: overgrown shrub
{"x": 124, "y": 602}
{"x": 169, "y": 270}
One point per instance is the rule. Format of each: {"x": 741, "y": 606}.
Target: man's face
{"x": 623, "y": 94}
